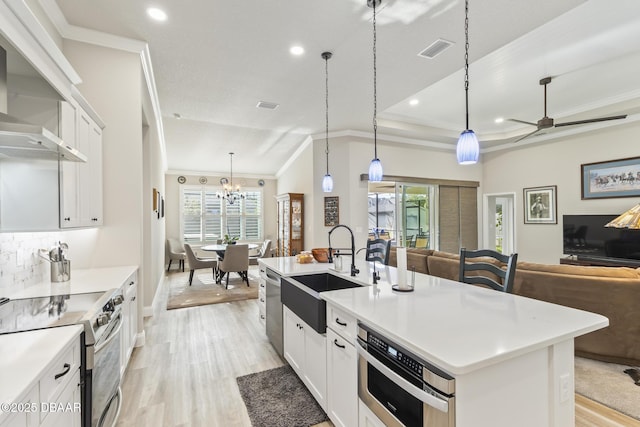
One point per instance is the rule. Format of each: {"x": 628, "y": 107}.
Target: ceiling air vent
{"x": 267, "y": 105}
{"x": 435, "y": 48}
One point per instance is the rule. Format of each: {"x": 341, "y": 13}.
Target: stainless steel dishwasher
{"x": 274, "y": 311}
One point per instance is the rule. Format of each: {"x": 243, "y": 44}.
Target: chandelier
{"x": 228, "y": 193}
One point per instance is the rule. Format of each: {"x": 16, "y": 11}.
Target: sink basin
{"x": 301, "y": 294}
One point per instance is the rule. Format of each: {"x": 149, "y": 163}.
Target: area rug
{"x": 607, "y": 383}
{"x": 278, "y": 398}
{"x": 204, "y": 290}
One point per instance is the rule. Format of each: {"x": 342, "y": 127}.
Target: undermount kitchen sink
{"x": 301, "y": 294}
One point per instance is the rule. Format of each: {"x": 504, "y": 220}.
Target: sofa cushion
{"x": 416, "y": 258}
{"x": 444, "y": 265}
{"x": 622, "y": 272}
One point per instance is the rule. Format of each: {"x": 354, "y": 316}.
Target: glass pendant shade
{"x": 375, "y": 170}
{"x": 468, "y": 149}
{"x": 327, "y": 184}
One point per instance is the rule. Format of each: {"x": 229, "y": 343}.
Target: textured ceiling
{"x": 213, "y": 60}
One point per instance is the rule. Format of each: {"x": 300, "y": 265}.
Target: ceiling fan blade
{"x": 527, "y": 135}
{"x": 599, "y": 119}
{"x": 522, "y": 121}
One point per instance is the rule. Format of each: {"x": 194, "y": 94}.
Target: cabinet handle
{"x": 261, "y": 299}
{"x": 335, "y": 342}
{"x": 133, "y": 299}
{"x": 67, "y": 219}
{"x": 339, "y": 322}
{"x": 131, "y": 284}
{"x": 262, "y": 316}
{"x": 67, "y": 367}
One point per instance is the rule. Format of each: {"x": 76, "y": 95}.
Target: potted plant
{"x": 228, "y": 240}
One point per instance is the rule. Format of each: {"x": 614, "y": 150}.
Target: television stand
{"x": 599, "y": 262}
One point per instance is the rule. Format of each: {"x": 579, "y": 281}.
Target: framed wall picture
{"x": 155, "y": 200}
{"x": 331, "y": 211}
{"x": 613, "y": 178}
{"x": 540, "y": 205}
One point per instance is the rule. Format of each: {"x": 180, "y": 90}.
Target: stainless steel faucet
{"x": 354, "y": 270}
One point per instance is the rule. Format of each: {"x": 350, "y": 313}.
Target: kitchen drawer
{"x": 59, "y": 373}
{"x": 66, "y": 410}
{"x": 342, "y": 323}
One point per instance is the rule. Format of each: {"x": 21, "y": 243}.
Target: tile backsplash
{"x": 20, "y": 264}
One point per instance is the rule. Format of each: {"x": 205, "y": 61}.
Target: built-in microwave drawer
{"x": 341, "y": 323}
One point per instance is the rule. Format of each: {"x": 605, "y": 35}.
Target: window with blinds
{"x": 206, "y": 218}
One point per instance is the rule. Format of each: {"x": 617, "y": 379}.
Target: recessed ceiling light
{"x": 499, "y": 120}
{"x": 157, "y": 14}
{"x": 296, "y": 50}
{"x": 414, "y": 102}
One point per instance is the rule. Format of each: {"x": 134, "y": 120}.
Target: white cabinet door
{"x": 315, "y": 366}
{"x": 69, "y": 171}
{"x": 81, "y": 183}
{"x": 293, "y": 341}
{"x": 305, "y": 350}
{"x": 66, "y": 410}
{"x": 342, "y": 381}
{"x": 129, "y": 321}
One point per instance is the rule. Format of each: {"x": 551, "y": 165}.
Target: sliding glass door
{"x": 403, "y": 212}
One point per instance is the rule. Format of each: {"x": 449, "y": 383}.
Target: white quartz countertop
{"x": 25, "y": 355}
{"x": 82, "y": 281}
{"x": 458, "y": 327}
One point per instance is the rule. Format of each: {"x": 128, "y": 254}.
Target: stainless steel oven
{"x": 105, "y": 377}
{"x": 400, "y": 388}
{"x": 102, "y": 376}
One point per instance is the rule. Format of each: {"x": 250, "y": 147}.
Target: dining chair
{"x": 236, "y": 260}
{"x": 264, "y": 251}
{"x": 422, "y": 241}
{"x": 487, "y": 269}
{"x": 176, "y": 252}
{"x": 196, "y": 263}
{"x": 378, "y": 250}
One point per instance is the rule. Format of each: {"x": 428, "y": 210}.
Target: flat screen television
{"x": 586, "y": 236}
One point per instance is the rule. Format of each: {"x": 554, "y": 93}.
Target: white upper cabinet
{"x": 81, "y": 183}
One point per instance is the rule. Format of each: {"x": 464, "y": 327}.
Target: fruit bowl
{"x": 320, "y": 254}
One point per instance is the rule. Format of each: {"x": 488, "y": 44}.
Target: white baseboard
{"x": 140, "y": 339}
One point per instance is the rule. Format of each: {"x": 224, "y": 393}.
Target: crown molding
{"x": 85, "y": 35}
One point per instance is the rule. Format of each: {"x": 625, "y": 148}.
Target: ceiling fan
{"x": 548, "y": 122}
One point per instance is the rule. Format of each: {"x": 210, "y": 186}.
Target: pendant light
{"x": 327, "y": 181}
{"x": 375, "y": 167}
{"x": 228, "y": 193}
{"x": 468, "y": 149}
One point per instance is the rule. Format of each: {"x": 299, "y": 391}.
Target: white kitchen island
{"x": 511, "y": 357}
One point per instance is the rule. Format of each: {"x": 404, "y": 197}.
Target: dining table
{"x": 220, "y": 249}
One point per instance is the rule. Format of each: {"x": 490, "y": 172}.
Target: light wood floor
{"x": 185, "y": 374}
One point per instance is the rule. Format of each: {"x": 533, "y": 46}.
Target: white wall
{"x": 172, "y": 201}
{"x": 349, "y": 157}
{"x": 557, "y": 163}
{"x": 299, "y": 178}
{"x": 112, "y": 84}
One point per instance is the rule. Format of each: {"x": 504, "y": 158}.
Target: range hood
{"x": 25, "y": 140}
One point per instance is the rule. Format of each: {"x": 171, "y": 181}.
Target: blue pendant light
{"x": 468, "y": 148}
{"x": 375, "y": 167}
{"x": 327, "y": 181}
